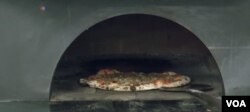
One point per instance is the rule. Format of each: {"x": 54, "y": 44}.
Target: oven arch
{"x": 193, "y": 47}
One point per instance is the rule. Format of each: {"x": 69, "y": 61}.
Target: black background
{"x": 225, "y": 108}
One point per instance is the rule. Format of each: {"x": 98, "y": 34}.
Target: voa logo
{"x": 236, "y": 103}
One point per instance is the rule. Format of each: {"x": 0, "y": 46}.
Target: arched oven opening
{"x": 134, "y": 43}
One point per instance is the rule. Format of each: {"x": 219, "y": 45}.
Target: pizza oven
{"x": 47, "y": 46}
{"x": 134, "y": 43}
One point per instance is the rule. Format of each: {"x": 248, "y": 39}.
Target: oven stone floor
{"x": 105, "y": 106}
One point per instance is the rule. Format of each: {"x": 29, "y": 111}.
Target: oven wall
{"x": 34, "y": 34}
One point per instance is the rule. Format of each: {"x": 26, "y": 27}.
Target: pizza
{"x": 111, "y": 79}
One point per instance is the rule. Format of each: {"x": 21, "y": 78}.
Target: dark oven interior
{"x": 134, "y": 42}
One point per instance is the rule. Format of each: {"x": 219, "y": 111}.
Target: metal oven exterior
{"x": 34, "y": 35}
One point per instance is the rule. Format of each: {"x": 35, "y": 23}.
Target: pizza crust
{"x": 117, "y": 81}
